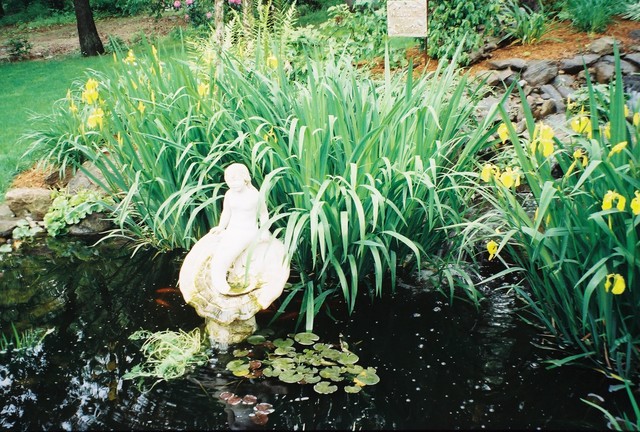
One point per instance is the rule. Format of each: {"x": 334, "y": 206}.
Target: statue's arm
{"x": 225, "y": 216}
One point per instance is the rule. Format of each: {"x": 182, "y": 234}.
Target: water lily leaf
{"x": 290, "y": 376}
{"x": 352, "y": 389}
{"x": 348, "y": 358}
{"x": 283, "y": 343}
{"x": 282, "y": 363}
{"x": 331, "y": 354}
{"x": 256, "y": 339}
{"x": 284, "y": 351}
{"x": 241, "y": 372}
{"x": 237, "y": 364}
{"x": 324, "y": 387}
{"x": 270, "y": 372}
{"x": 354, "y": 369}
{"x": 333, "y": 373}
{"x": 311, "y": 378}
{"x": 321, "y": 346}
{"x": 367, "y": 377}
{"x": 306, "y": 338}
{"x": 241, "y": 353}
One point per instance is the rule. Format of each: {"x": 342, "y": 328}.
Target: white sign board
{"x": 407, "y": 18}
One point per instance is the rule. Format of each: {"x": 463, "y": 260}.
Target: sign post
{"x": 408, "y": 18}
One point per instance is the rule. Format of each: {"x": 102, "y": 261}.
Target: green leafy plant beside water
{"x": 523, "y": 24}
{"x": 24, "y": 340}
{"x": 168, "y": 355}
{"x": 69, "y": 209}
{"x": 301, "y": 359}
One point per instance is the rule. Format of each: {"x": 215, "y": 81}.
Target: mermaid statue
{"x": 238, "y": 268}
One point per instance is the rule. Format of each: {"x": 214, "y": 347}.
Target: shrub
{"x": 19, "y": 48}
{"x": 456, "y": 22}
{"x": 523, "y": 24}
{"x": 580, "y": 247}
{"x": 591, "y": 16}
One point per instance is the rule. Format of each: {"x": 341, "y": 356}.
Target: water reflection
{"x": 441, "y": 366}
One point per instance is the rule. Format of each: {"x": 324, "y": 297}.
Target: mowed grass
{"x": 32, "y": 87}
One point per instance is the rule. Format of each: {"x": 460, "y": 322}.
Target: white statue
{"x": 238, "y": 268}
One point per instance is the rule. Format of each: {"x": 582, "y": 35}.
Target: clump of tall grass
{"x": 591, "y": 16}
{"x": 364, "y": 178}
{"x": 524, "y": 25}
{"x": 577, "y": 237}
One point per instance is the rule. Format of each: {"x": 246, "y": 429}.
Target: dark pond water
{"x": 441, "y": 366}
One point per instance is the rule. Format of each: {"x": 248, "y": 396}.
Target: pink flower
{"x": 209, "y": 15}
{"x": 187, "y": 17}
{"x": 177, "y": 4}
{"x": 189, "y": 2}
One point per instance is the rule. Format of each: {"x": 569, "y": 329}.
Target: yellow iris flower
{"x": 488, "y": 171}
{"x": 636, "y": 119}
{"x": 141, "y": 107}
{"x": 130, "y": 59}
{"x": 492, "y": 248}
{"x": 203, "y": 89}
{"x": 614, "y": 282}
{"x": 607, "y": 130}
{"x": 610, "y": 197}
{"x": 510, "y": 178}
{"x": 543, "y": 135}
{"x": 635, "y": 203}
{"x": 582, "y": 124}
{"x": 272, "y": 62}
{"x": 96, "y": 118}
{"x": 90, "y": 93}
{"x": 617, "y": 148}
{"x": 503, "y": 132}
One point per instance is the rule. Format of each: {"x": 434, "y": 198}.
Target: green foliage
{"x": 19, "y": 48}
{"x": 580, "y": 246}
{"x": 70, "y": 209}
{"x": 168, "y": 355}
{"x": 25, "y": 230}
{"x": 632, "y": 11}
{"x": 396, "y": 156}
{"x": 591, "y": 16}
{"x": 308, "y": 362}
{"x": 525, "y": 25}
{"x": 23, "y": 341}
{"x": 465, "y": 23}
{"x": 115, "y": 44}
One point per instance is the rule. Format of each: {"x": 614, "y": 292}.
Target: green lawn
{"x": 32, "y": 87}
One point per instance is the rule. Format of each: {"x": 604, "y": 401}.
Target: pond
{"x": 441, "y": 365}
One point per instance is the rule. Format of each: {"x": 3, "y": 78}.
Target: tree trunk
{"x": 219, "y": 21}
{"x": 90, "y": 43}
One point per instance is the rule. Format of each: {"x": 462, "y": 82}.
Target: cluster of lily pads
{"x": 261, "y": 411}
{"x": 300, "y": 358}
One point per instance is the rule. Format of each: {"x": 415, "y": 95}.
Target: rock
{"x": 547, "y": 108}
{"x": 558, "y": 122}
{"x": 29, "y": 201}
{"x": 95, "y": 223}
{"x": 563, "y": 81}
{"x": 555, "y": 95}
{"x": 487, "y": 104}
{"x": 5, "y": 211}
{"x": 627, "y": 68}
{"x": 540, "y": 72}
{"x": 515, "y": 64}
{"x": 82, "y": 181}
{"x": 634, "y": 34}
{"x": 604, "y": 71}
{"x": 7, "y": 224}
{"x": 602, "y": 46}
{"x": 495, "y": 78}
{"x": 633, "y": 58}
{"x": 577, "y": 63}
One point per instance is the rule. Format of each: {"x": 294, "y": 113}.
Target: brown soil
{"x": 62, "y": 40}
{"x": 561, "y": 42}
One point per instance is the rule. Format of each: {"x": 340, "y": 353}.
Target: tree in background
{"x": 90, "y": 43}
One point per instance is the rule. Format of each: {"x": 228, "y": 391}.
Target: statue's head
{"x": 237, "y": 171}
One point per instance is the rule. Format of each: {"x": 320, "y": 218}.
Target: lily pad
{"x": 311, "y": 378}
{"x": 283, "y": 351}
{"x": 290, "y": 376}
{"x": 306, "y": 338}
{"x": 367, "y": 377}
{"x": 331, "y": 354}
{"x": 270, "y": 372}
{"x": 333, "y": 373}
{"x": 241, "y": 353}
{"x": 324, "y": 387}
{"x": 256, "y": 339}
{"x": 283, "y": 363}
{"x": 352, "y": 389}
{"x": 283, "y": 343}
{"x": 348, "y": 358}
{"x": 354, "y": 369}
{"x": 237, "y": 364}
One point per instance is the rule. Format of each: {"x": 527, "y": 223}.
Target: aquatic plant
{"x": 575, "y": 231}
{"x": 168, "y": 355}
{"x": 69, "y": 209}
{"x": 394, "y": 180}
{"x": 24, "y": 340}
{"x": 301, "y": 359}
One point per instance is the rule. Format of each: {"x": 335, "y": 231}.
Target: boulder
{"x": 82, "y": 181}
{"x": 7, "y": 225}
{"x": 604, "y": 71}
{"x": 554, "y": 95}
{"x": 540, "y": 72}
{"x": 633, "y": 58}
{"x": 577, "y": 63}
{"x": 93, "y": 224}
{"x": 515, "y": 64}
{"x": 29, "y": 201}
{"x": 602, "y": 46}
{"x": 626, "y": 68}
